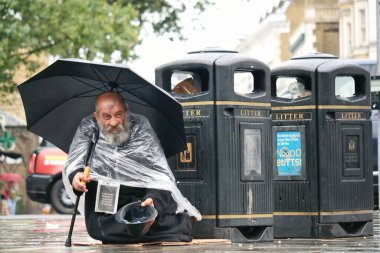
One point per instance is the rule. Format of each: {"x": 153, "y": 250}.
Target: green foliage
{"x": 86, "y": 29}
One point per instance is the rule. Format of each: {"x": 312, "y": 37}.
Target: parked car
{"x": 44, "y": 181}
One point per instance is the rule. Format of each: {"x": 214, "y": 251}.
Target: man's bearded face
{"x": 118, "y": 134}
{"x": 113, "y": 119}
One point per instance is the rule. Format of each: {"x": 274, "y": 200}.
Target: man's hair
{"x": 111, "y": 95}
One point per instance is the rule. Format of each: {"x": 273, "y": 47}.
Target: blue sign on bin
{"x": 289, "y": 153}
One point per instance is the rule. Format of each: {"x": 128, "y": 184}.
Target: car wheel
{"x": 60, "y": 200}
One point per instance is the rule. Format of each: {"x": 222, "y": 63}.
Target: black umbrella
{"x": 60, "y": 96}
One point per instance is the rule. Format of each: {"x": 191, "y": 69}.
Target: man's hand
{"x": 79, "y": 182}
{"x": 148, "y": 202}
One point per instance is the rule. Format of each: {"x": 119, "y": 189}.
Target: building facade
{"x": 357, "y": 26}
{"x": 345, "y": 28}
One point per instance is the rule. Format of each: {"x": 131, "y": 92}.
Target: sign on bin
{"x": 289, "y": 154}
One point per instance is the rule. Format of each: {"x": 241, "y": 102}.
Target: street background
{"x": 270, "y": 31}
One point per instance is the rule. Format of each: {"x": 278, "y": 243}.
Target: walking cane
{"x": 86, "y": 174}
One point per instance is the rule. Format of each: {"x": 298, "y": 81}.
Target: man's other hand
{"x": 148, "y": 202}
{"x": 79, "y": 182}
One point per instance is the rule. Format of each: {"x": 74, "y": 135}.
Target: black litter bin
{"x": 225, "y": 170}
{"x": 322, "y": 148}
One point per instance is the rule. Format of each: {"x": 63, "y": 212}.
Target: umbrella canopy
{"x": 10, "y": 177}
{"x": 60, "y": 96}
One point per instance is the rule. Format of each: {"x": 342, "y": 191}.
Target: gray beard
{"x": 120, "y": 137}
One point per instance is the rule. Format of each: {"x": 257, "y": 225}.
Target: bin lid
{"x": 315, "y": 55}
{"x": 213, "y": 50}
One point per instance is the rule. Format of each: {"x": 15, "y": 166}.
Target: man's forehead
{"x": 108, "y": 104}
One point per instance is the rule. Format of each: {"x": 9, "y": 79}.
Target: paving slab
{"x": 48, "y": 233}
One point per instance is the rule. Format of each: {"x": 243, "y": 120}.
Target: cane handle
{"x": 86, "y": 173}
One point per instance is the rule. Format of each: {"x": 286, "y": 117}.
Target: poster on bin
{"x": 289, "y": 153}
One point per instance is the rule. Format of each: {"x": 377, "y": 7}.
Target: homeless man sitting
{"x": 128, "y": 163}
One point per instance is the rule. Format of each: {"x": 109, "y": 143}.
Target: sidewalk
{"x": 48, "y": 233}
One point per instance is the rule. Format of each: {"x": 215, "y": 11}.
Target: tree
{"x": 87, "y": 29}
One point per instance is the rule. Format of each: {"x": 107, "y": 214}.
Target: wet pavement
{"x": 48, "y": 233}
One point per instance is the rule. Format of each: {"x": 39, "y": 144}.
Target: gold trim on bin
{"x": 235, "y": 216}
{"x": 336, "y": 107}
{"x": 225, "y": 103}
{"x": 323, "y": 213}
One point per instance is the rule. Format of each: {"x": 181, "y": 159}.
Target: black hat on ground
{"x": 137, "y": 218}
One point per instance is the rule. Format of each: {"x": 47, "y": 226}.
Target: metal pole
{"x": 378, "y": 73}
{"x": 378, "y": 35}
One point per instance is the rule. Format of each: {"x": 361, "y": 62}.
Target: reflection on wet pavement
{"x": 48, "y": 233}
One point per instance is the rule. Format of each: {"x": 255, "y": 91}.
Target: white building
{"x": 357, "y": 25}
{"x": 345, "y": 28}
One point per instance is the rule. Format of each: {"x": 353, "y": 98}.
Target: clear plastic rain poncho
{"x": 138, "y": 162}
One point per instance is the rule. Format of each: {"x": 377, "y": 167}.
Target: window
{"x": 187, "y": 82}
{"x": 243, "y": 82}
{"x": 344, "y": 87}
{"x": 293, "y": 87}
{"x": 349, "y": 41}
{"x": 363, "y": 29}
